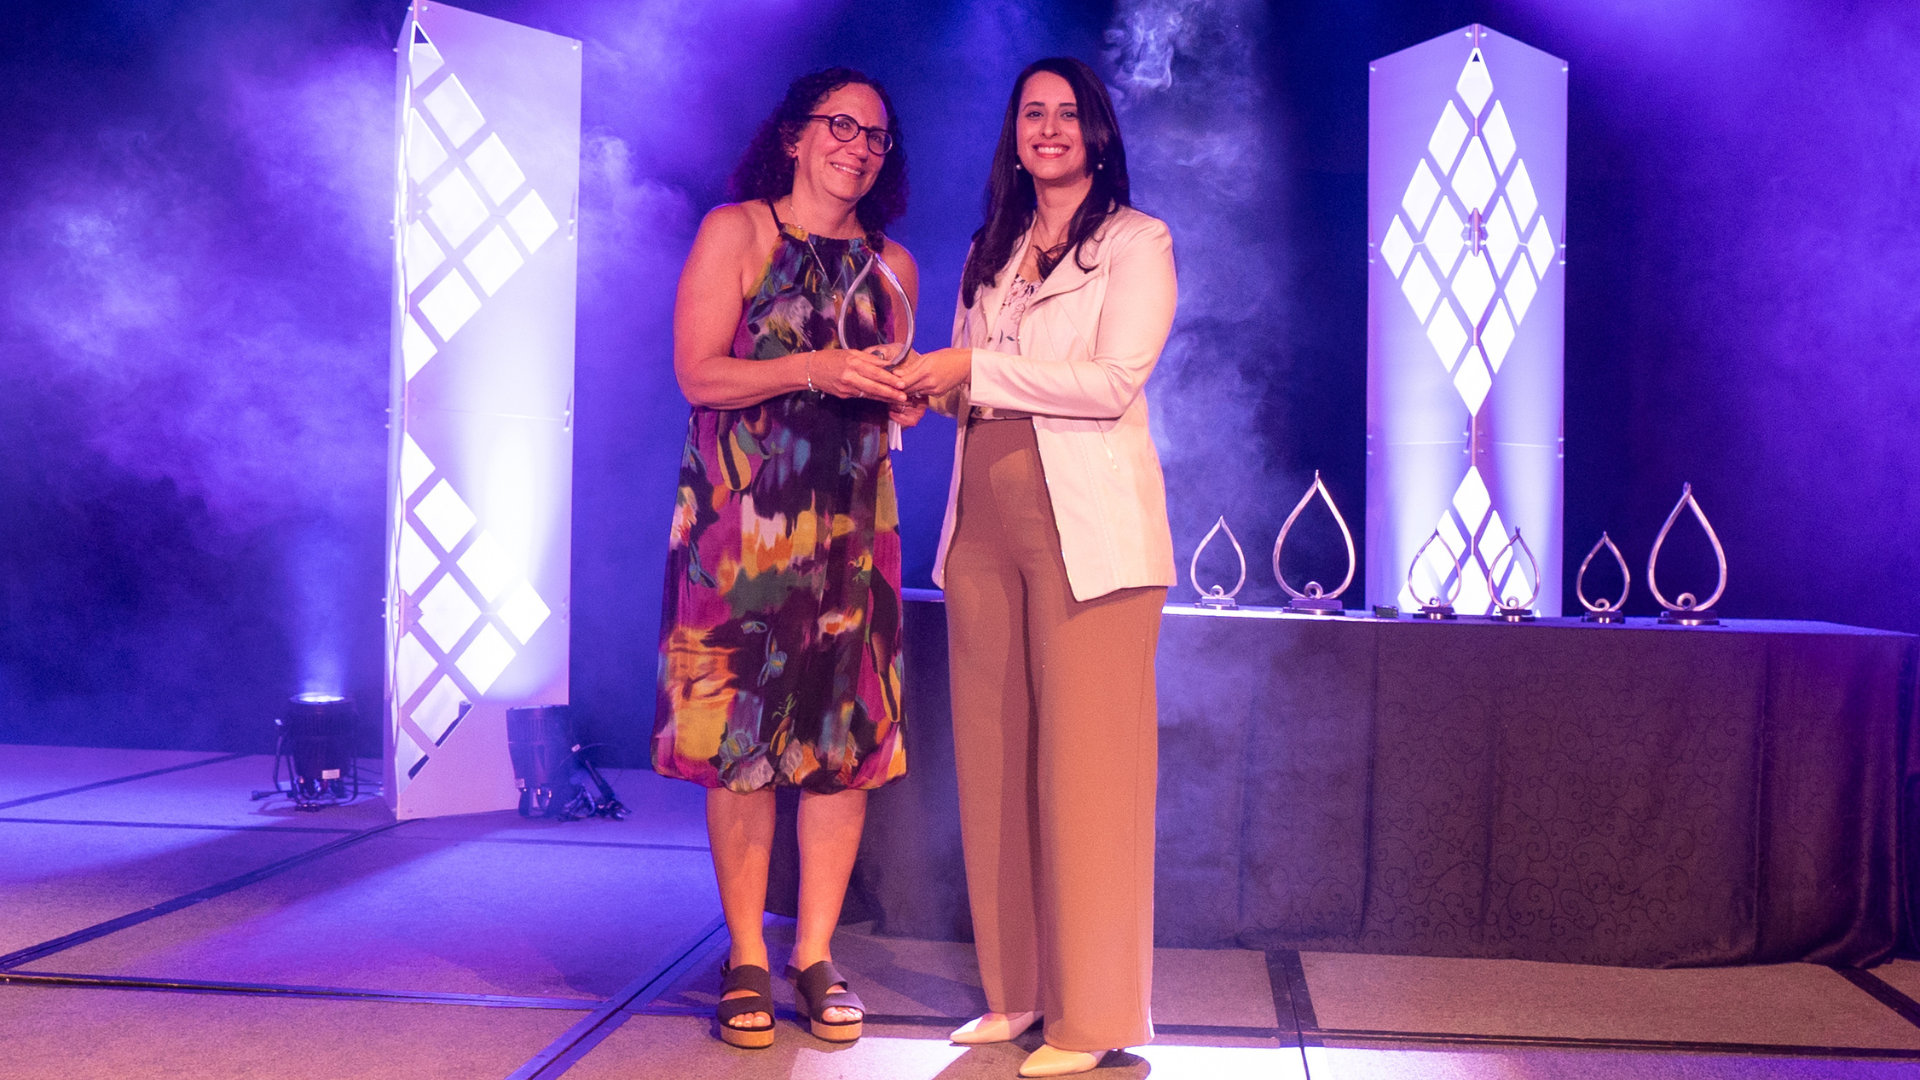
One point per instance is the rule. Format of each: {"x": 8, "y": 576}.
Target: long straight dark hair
{"x": 1010, "y": 200}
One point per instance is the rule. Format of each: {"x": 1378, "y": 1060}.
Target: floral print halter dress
{"x": 780, "y": 640}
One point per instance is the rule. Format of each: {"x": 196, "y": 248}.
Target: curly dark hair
{"x": 766, "y": 172}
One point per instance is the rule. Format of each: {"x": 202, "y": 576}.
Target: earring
{"x": 1100, "y": 166}
{"x": 1016, "y": 166}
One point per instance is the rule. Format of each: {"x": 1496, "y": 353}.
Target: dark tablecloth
{"x": 1634, "y": 795}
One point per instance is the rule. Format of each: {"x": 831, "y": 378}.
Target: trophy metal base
{"x": 1216, "y": 603}
{"x": 1435, "y": 612}
{"x": 1608, "y": 617}
{"x": 1690, "y": 617}
{"x": 1324, "y": 606}
{"x": 1514, "y": 615}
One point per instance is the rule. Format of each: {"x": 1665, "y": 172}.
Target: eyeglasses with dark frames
{"x": 845, "y": 128}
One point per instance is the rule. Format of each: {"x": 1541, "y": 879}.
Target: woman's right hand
{"x": 849, "y": 373}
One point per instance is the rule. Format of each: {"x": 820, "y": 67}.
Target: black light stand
{"x": 315, "y": 744}
{"x": 545, "y": 755}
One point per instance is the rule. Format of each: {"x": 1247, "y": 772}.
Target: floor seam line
{"x": 612, "y": 1012}
{"x": 1576, "y": 1042}
{"x": 333, "y": 993}
{"x": 168, "y": 907}
{"x": 1881, "y": 991}
{"x": 171, "y": 825}
{"x": 119, "y": 780}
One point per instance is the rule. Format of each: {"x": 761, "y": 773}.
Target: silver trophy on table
{"x": 1685, "y": 609}
{"x": 1214, "y": 596}
{"x": 1440, "y": 604}
{"x": 1603, "y": 610}
{"x": 1315, "y": 599}
{"x": 1510, "y": 608}
{"x": 903, "y": 322}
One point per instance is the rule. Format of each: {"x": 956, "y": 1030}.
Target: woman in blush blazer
{"x": 1056, "y": 557}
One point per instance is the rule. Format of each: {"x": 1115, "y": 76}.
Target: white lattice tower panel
{"x": 479, "y": 531}
{"x": 1465, "y": 310}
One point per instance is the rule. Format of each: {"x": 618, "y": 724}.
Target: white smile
{"x": 1049, "y": 151}
{"x": 849, "y": 170}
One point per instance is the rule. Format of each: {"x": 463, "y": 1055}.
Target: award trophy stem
{"x": 1512, "y": 608}
{"x": 905, "y": 322}
{"x": 1440, "y": 605}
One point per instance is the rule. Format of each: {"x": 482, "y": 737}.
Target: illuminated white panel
{"x": 498, "y": 172}
{"x": 1448, "y": 134}
{"x": 1475, "y": 86}
{"x": 1499, "y": 137}
{"x": 1468, "y": 449}
{"x": 423, "y": 255}
{"x": 424, "y": 152}
{"x": 1396, "y": 246}
{"x": 477, "y": 195}
{"x": 456, "y": 208}
{"x": 426, "y": 61}
{"x": 1473, "y": 286}
{"x": 1540, "y": 248}
{"x": 416, "y": 560}
{"x": 1445, "y": 238}
{"x": 446, "y": 613}
{"x": 1474, "y": 181}
{"x": 1447, "y": 335}
{"x": 414, "y": 667}
{"x": 416, "y": 348}
{"x": 1421, "y": 191}
{"x": 532, "y": 221}
{"x": 450, "y": 305}
{"x": 1520, "y": 291}
{"x": 1520, "y": 192}
{"x": 438, "y": 711}
{"x": 489, "y": 567}
{"x": 459, "y": 117}
{"x": 1502, "y": 238}
{"x": 414, "y": 466}
{"x": 494, "y": 260}
{"x": 445, "y": 515}
{"x": 485, "y": 659}
{"x": 1421, "y": 288}
{"x": 1497, "y": 338}
{"x": 524, "y": 612}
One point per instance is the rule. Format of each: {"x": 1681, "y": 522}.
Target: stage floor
{"x": 157, "y": 923}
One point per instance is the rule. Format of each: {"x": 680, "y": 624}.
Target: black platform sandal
{"x": 815, "y": 988}
{"x": 760, "y": 981}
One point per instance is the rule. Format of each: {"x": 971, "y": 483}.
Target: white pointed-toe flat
{"x": 1053, "y": 1061}
{"x": 982, "y": 1030}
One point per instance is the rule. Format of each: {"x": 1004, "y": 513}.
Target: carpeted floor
{"x": 157, "y": 922}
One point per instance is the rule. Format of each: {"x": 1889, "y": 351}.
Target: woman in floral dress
{"x": 780, "y": 639}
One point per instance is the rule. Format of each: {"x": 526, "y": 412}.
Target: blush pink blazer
{"x": 1088, "y": 342}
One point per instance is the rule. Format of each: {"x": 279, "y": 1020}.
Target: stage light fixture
{"x": 547, "y": 757}
{"x": 316, "y": 748}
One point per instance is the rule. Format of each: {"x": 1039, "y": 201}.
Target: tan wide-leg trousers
{"x": 1056, "y": 738}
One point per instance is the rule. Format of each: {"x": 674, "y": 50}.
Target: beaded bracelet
{"x": 810, "y": 388}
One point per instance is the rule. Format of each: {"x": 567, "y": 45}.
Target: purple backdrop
{"x": 194, "y": 203}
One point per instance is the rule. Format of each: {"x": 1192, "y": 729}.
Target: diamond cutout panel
{"x": 440, "y": 710}
{"x": 445, "y": 515}
{"x": 494, "y": 260}
{"x": 489, "y": 567}
{"x": 450, "y": 104}
{"x": 533, "y": 221}
{"x": 498, "y": 172}
{"x": 524, "y": 612}
{"x": 414, "y": 466}
{"x": 413, "y": 667}
{"x": 416, "y": 562}
{"x": 447, "y": 613}
{"x": 1490, "y": 177}
{"x": 486, "y": 658}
